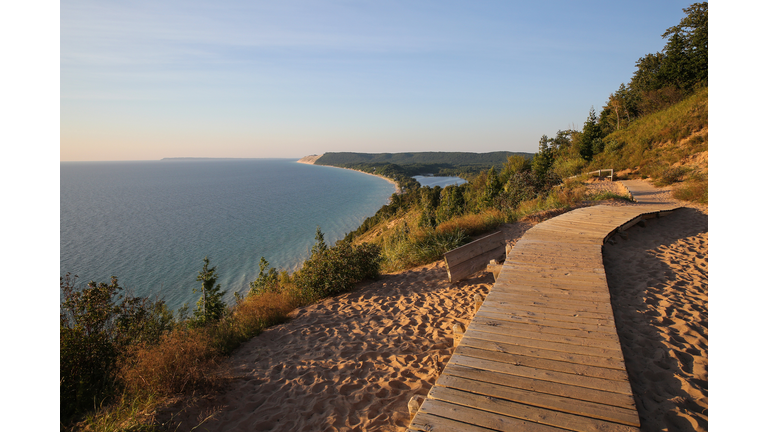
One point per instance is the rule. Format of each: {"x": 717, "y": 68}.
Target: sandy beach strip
{"x": 353, "y": 362}
{"x": 310, "y": 160}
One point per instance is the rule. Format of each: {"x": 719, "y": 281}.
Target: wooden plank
{"x": 524, "y": 412}
{"x": 485, "y": 419}
{"x": 509, "y": 278}
{"x": 544, "y": 375}
{"x": 523, "y": 298}
{"x": 564, "y": 272}
{"x": 428, "y": 422}
{"x": 513, "y": 261}
{"x": 547, "y": 345}
{"x": 604, "y": 331}
{"x": 543, "y": 364}
{"x": 515, "y": 325}
{"x": 542, "y": 400}
{"x": 561, "y": 293}
{"x": 520, "y": 308}
{"x": 578, "y": 359}
{"x": 505, "y": 328}
{"x": 545, "y": 387}
{"x": 502, "y": 307}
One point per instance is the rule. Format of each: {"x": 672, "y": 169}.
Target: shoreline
{"x": 310, "y": 160}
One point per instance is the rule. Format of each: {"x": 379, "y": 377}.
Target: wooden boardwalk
{"x": 542, "y": 352}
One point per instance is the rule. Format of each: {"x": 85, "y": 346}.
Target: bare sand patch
{"x": 658, "y": 279}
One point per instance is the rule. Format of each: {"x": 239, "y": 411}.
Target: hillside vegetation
{"x": 121, "y": 357}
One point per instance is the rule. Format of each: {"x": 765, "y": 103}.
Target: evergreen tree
{"x": 266, "y": 280}
{"x": 589, "y": 135}
{"x": 543, "y": 160}
{"x": 320, "y": 246}
{"x": 210, "y": 307}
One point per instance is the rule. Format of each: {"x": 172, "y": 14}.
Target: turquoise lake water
{"x": 151, "y": 223}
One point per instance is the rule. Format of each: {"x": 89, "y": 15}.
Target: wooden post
{"x": 495, "y": 268}
{"x": 414, "y": 404}
{"x": 478, "y": 302}
{"x": 458, "y": 333}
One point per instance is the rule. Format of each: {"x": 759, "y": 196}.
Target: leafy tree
{"x": 210, "y": 306}
{"x": 515, "y": 164}
{"x": 430, "y": 200}
{"x": 452, "y": 203}
{"x": 492, "y": 188}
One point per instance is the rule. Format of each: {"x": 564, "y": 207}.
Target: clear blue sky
{"x": 147, "y": 79}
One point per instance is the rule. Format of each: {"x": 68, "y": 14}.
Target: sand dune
{"x": 354, "y": 361}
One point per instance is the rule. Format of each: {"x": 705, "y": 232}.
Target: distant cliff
{"x": 309, "y": 159}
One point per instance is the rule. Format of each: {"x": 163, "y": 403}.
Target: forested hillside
{"x": 457, "y": 159}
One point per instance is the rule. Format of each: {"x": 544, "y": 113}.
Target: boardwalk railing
{"x": 598, "y": 172}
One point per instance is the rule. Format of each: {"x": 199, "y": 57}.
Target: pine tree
{"x": 320, "y": 246}
{"x": 210, "y": 307}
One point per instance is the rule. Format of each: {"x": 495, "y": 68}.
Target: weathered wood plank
{"x": 546, "y": 387}
{"x": 542, "y": 400}
{"x": 543, "y": 364}
{"x": 556, "y": 293}
{"x": 518, "y": 307}
{"x": 513, "y": 325}
{"x": 481, "y": 418}
{"x": 524, "y": 412}
{"x": 594, "y": 330}
{"x": 505, "y": 328}
{"x": 544, "y": 315}
{"x": 428, "y": 422}
{"x": 605, "y": 385}
{"x": 522, "y": 298}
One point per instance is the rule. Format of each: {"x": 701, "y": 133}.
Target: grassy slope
{"x": 662, "y": 141}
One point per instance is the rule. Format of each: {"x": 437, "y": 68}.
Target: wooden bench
{"x": 475, "y": 256}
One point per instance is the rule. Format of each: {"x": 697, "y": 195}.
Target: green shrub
{"x": 334, "y": 270}
{"x": 96, "y": 324}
